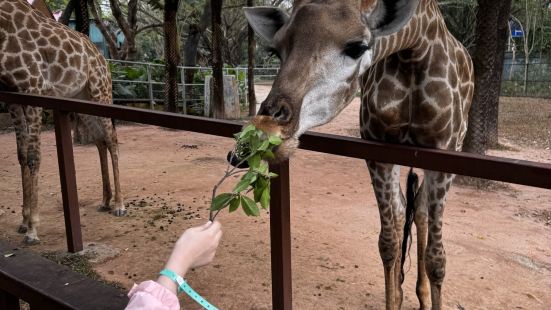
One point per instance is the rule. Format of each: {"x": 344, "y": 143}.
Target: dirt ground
{"x": 498, "y": 242}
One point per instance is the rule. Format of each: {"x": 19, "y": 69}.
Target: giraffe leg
{"x": 107, "y": 194}
{"x": 113, "y": 147}
{"x": 438, "y": 184}
{"x": 120, "y": 210}
{"x": 27, "y": 122}
{"x": 421, "y": 224}
{"x": 386, "y": 184}
{"x": 34, "y": 123}
{"x": 22, "y": 135}
{"x": 103, "y": 132}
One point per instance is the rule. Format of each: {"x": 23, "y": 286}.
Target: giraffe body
{"x": 418, "y": 92}
{"x": 43, "y": 57}
{"x": 417, "y": 87}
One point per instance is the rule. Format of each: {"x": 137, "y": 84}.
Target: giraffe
{"x": 41, "y": 56}
{"x": 417, "y": 86}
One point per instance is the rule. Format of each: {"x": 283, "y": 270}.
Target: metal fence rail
{"x": 526, "y": 80}
{"x": 144, "y": 83}
{"x": 488, "y": 167}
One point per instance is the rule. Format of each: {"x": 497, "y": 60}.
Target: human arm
{"x": 196, "y": 247}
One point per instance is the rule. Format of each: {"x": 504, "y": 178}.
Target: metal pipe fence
{"x": 145, "y": 82}
{"x": 135, "y": 82}
{"x": 532, "y": 79}
{"x": 494, "y": 168}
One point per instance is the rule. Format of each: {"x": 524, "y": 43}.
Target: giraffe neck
{"x": 424, "y": 26}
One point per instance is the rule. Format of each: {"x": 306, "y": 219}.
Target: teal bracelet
{"x": 183, "y": 286}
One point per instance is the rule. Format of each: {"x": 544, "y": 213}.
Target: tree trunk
{"x": 191, "y": 46}
{"x": 250, "y": 69}
{"x": 217, "y": 62}
{"x": 525, "y": 83}
{"x": 66, "y": 16}
{"x": 81, "y": 16}
{"x": 172, "y": 55}
{"x": 493, "y": 106}
{"x": 81, "y": 135}
{"x": 108, "y": 35}
{"x": 513, "y": 61}
{"x": 486, "y": 60}
{"x": 127, "y": 24}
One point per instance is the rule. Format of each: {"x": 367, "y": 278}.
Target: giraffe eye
{"x": 355, "y": 50}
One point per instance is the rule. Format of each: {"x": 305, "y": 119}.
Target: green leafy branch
{"x": 255, "y": 148}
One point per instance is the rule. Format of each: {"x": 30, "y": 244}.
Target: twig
{"x": 229, "y": 172}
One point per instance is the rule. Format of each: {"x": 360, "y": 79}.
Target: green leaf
{"x": 272, "y": 175}
{"x": 248, "y": 179}
{"x": 234, "y": 203}
{"x": 257, "y": 193}
{"x": 250, "y": 176}
{"x": 268, "y": 155}
{"x": 221, "y": 201}
{"x": 263, "y": 168}
{"x": 265, "y": 198}
{"x": 264, "y": 146}
{"x": 246, "y": 131}
{"x": 241, "y": 186}
{"x": 249, "y": 206}
{"x": 254, "y": 162}
{"x": 275, "y": 140}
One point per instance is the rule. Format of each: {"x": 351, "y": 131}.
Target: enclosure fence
{"x": 494, "y": 168}
{"x": 532, "y": 79}
{"x": 143, "y": 82}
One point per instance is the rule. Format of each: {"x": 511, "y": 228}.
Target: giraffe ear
{"x": 385, "y": 17}
{"x": 266, "y": 21}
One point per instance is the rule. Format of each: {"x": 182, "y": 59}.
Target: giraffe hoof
{"x": 22, "y": 229}
{"x": 29, "y": 240}
{"x": 104, "y": 208}
{"x": 119, "y": 212}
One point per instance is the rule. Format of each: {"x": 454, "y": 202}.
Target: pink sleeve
{"x": 152, "y": 295}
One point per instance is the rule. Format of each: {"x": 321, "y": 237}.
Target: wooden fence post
{"x": 280, "y": 236}
{"x": 68, "y": 180}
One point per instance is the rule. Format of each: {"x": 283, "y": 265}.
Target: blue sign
{"x": 516, "y": 30}
{"x": 517, "y": 33}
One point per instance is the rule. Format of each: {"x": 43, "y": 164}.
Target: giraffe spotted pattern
{"x": 43, "y": 57}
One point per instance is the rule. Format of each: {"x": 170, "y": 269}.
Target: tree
{"x": 492, "y": 17}
{"x": 55, "y": 5}
{"x": 81, "y": 16}
{"x": 81, "y": 135}
{"x": 66, "y": 15}
{"x": 217, "y": 62}
{"x": 532, "y": 21}
{"x": 460, "y": 18}
{"x": 172, "y": 54}
{"x": 196, "y": 29}
{"x": 250, "y": 68}
{"x": 123, "y": 17}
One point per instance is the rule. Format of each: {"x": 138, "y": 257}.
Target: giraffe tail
{"x": 411, "y": 192}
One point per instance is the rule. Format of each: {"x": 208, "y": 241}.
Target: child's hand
{"x": 195, "y": 248}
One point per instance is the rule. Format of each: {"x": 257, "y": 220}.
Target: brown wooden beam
{"x": 8, "y": 301}
{"x": 488, "y": 167}
{"x": 280, "y": 238}
{"x": 68, "y": 180}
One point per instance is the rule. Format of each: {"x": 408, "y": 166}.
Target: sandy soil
{"x": 498, "y": 243}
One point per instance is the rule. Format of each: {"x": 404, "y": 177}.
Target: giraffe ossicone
{"x": 41, "y": 56}
{"x": 417, "y": 86}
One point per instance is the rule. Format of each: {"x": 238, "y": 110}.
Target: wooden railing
{"x": 488, "y": 167}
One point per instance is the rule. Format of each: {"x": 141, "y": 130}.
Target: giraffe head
{"x": 324, "y": 47}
